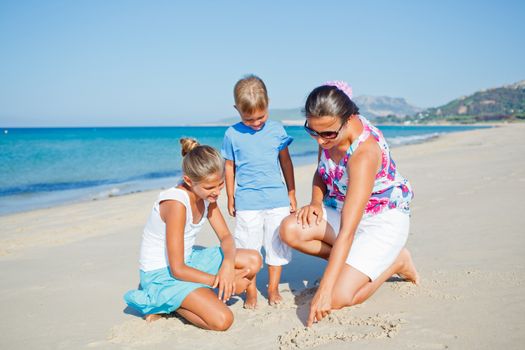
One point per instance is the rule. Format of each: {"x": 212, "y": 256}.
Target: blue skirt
{"x": 161, "y": 293}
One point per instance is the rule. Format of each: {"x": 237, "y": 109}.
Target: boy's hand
{"x": 231, "y": 207}
{"x": 293, "y": 203}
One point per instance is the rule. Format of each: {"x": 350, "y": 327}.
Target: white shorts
{"x": 378, "y": 240}
{"x": 256, "y": 228}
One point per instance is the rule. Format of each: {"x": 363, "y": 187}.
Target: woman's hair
{"x": 250, "y": 94}
{"x": 327, "y": 100}
{"x": 200, "y": 161}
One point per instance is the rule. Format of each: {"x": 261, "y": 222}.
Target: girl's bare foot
{"x": 251, "y": 299}
{"x": 274, "y": 297}
{"x": 407, "y": 270}
{"x": 152, "y": 317}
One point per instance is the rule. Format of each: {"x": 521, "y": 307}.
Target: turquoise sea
{"x": 43, "y": 167}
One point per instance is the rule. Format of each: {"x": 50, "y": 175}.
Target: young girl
{"x": 358, "y": 217}
{"x": 173, "y": 275}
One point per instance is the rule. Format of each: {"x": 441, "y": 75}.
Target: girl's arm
{"x": 174, "y": 215}
{"x": 314, "y": 211}
{"x": 225, "y": 279}
{"x": 362, "y": 169}
{"x": 229, "y": 174}
{"x": 286, "y": 165}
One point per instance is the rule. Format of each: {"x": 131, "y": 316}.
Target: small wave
{"x": 112, "y": 192}
{"x": 73, "y": 185}
{"x": 408, "y": 140}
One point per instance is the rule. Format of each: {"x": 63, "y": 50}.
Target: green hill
{"x": 506, "y": 103}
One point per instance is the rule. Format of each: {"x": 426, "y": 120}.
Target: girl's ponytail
{"x": 187, "y": 144}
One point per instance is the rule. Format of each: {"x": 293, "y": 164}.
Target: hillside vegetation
{"x": 506, "y": 103}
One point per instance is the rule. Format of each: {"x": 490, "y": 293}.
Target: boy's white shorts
{"x": 256, "y": 228}
{"x": 378, "y": 239}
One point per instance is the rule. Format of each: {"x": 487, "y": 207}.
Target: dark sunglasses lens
{"x": 328, "y": 134}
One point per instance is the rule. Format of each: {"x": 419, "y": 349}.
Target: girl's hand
{"x": 320, "y": 307}
{"x": 225, "y": 280}
{"x": 231, "y": 207}
{"x": 241, "y": 282}
{"x": 293, "y": 203}
{"x": 309, "y": 214}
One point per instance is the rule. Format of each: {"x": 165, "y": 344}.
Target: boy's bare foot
{"x": 152, "y": 317}
{"x": 408, "y": 270}
{"x": 251, "y": 299}
{"x": 274, "y": 297}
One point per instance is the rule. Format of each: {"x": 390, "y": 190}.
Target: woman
{"x": 358, "y": 217}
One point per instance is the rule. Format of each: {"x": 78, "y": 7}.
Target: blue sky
{"x": 83, "y": 63}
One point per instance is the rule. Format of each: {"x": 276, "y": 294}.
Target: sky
{"x": 134, "y": 63}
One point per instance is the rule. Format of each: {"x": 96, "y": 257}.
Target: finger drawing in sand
{"x": 359, "y": 214}
{"x": 174, "y": 275}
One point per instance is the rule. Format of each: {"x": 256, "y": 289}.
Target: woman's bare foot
{"x": 251, "y": 299}
{"x": 152, "y": 317}
{"x": 274, "y": 297}
{"x": 407, "y": 270}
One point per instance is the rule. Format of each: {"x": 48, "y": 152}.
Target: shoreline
{"x": 10, "y": 240}
{"x": 29, "y": 201}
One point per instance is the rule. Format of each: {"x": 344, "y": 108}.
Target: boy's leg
{"x": 248, "y": 235}
{"x": 274, "y": 276}
{"x": 277, "y": 253}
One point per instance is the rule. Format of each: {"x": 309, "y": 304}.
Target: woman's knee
{"x": 289, "y": 230}
{"x": 221, "y": 320}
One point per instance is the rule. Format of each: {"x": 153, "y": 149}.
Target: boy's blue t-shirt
{"x": 257, "y": 168}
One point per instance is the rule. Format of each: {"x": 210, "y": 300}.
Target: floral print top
{"x": 391, "y": 190}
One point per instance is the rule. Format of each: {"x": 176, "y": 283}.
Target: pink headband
{"x": 341, "y": 85}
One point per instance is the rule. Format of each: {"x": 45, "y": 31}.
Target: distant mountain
{"x": 497, "y": 104}
{"x": 381, "y": 106}
{"x": 370, "y": 106}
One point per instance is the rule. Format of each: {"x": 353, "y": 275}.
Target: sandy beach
{"x": 64, "y": 269}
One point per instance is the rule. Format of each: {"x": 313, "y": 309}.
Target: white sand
{"x": 64, "y": 270}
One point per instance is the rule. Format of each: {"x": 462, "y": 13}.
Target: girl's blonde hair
{"x": 250, "y": 94}
{"x": 200, "y": 161}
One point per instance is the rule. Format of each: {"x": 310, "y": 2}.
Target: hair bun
{"x": 187, "y": 144}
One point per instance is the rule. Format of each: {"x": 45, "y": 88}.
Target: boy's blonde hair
{"x": 200, "y": 161}
{"x": 250, "y": 94}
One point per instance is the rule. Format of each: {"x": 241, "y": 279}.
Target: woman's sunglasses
{"x": 328, "y": 135}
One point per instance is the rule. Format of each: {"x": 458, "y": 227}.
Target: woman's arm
{"x": 174, "y": 215}
{"x": 362, "y": 169}
{"x": 286, "y": 165}
{"x": 229, "y": 174}
{"x": 225, "y": 278}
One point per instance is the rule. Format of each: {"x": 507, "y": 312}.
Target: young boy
{"x": 256, "y": 150}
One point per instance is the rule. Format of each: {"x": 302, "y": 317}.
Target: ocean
{"x": 44, "y": 167}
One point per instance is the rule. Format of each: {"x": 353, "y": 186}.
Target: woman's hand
{"x": 320, "y": 307}
{"x": 225, "y": 280}
{"x": 310, "y": 214}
